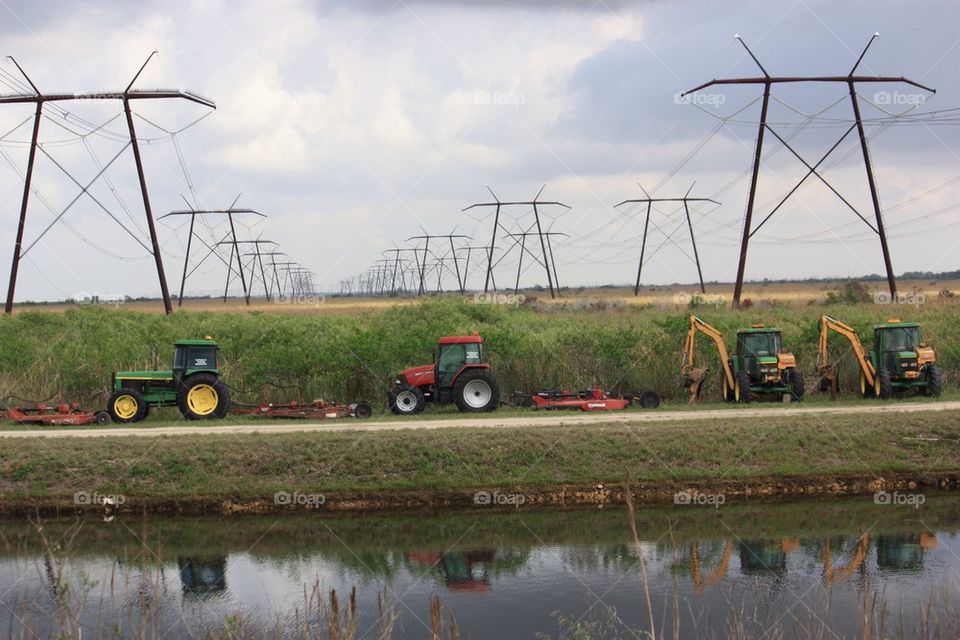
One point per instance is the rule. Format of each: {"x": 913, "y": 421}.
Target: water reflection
{"x": 501, "y": 575}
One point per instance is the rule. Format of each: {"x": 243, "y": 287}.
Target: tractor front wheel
{"x": 796, "y": 385}
{"x": 476, "y": 391}
{"x": 865, "y": 390}
{"x": 934, "y": 380}
{"x": 203, "y": 397}
{"x": 741, "y": 387}
{"x": 127, "y": 405}
{"x": 883, "y": 384}
{"x": 407, "y": 400}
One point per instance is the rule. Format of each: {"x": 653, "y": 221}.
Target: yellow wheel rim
{"x": 863, "y": 384}
{"x": 736, "y": 391}
{"x": 125, "y": 407}
{"x": 876, "y": 385}
{"x": 202, "y": 399}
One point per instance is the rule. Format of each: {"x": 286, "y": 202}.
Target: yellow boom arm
{"x": 824, "y": 366}
{"x": 696, "y": 324}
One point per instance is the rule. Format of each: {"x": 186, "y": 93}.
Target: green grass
{"x": 250, "y": 466}
{"x": 349, "y": 357}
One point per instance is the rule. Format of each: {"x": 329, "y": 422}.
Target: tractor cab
{"x": 456, "y": 352}
{"x": 761, "y": 354}
{"x": 194, "y": 356}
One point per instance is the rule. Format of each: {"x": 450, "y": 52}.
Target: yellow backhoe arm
{"x": 824, "y": 366}
{"x": 716, "y": 575}
{"x": 831, "y": 573}
{"x": 695, "y": 374}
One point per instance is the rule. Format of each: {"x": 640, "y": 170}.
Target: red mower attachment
{"x": 316, "y": 410}
{"x": 586, "y": 400}
{"x": 61, "y": 414}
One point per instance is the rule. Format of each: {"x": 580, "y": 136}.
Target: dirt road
{"x": 551, "y": 419}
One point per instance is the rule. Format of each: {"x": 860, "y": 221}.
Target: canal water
{"x": 760, "y": 570}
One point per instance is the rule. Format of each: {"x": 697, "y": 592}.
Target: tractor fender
{"x": 453, "y": 381}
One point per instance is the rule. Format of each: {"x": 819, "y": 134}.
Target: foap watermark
{"x": 899, "y": 98}
{"x": 499, "y": 298}
{"x": 699, "y": 499}
{"x": 497, "y": 499}
{"x": 297, "y": 499}
{"x": 899, "y": 499}
{"x": 698, "y": 299}
{"x": 884, "y": 297}
{"x": 87, "y": 499}
{"x": 303, "y": 298}
{"x": 84, "y": 297}
{"x": 515, "y": 100}
{"x": 712, "y": 100}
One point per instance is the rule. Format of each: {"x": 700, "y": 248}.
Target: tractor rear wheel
{"x": 203, "y": 397}
{"x": 883, "y": 384}
{"x": 407, "y": 400}
{"x": 796, "y": 385}
{"x": 476, "y": 391}
{"x": 934, "y": 380}
{"x": 741, "y": 388}
{"x": 127, "y": 405}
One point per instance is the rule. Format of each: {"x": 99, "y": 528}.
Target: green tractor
{"x": 763, "y": 366}
{"x": 193, "y": 386}
{"x": 902, "y": 360}
{"x": 760, "y": 364}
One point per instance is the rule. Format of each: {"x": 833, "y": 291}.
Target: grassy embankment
{"x": 782, "y": 456}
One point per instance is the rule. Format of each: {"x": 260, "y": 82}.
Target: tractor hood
{"x": 144, "y": 375}
{"x": 418, "y": 376}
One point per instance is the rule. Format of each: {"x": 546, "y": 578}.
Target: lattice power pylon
{"x": 851, "y": 80}
{"x": 126, "y": 96}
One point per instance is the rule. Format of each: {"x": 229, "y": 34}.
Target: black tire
{"x": 649, "y": 399}
{"x": 796, "y": 385}
{"x": 121, "y": 410}
{"x": 363, "y": 410}
{"x": 406, "y": 400}
{"x": 934, "y": 379}
{"x": 741, "y": 390}
{"x": 102, "y": 418}
{"x": 476, "y": 391}
{"x": 213, "y": 403}
{"x": 883, "y": 385}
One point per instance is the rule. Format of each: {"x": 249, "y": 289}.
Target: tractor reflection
{"x": 203, "y": 577}
{"x": 766, "y": 557}
{"x": 840, "y": 556}
{"x": 904, "y": 553}
{"x": 461, "y": 571}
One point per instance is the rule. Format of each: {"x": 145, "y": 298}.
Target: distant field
{"x": 761, "y": 294}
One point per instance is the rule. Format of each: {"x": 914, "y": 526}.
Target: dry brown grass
{"x": 784, "y": 293}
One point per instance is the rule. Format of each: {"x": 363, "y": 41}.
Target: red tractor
{"x": 459, "y": 376}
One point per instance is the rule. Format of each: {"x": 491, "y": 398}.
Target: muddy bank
{"x": 704, "y": 492}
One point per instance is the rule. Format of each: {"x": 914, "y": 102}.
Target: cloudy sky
{"x": 356, "y": 125}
